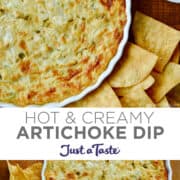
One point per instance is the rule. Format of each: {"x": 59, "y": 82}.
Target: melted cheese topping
{"x": 106, "y": 170}
{"x": 53, "y": 49}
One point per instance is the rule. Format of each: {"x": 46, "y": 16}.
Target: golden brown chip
{"x": 155, "y": 37}
{"x": 174, "y": 96}
{"x": 176, "y": 56}
{"x": 134, "y": 67}
{"x": 32, "y": 172}
{"x": 24, "y": 163}
{"x": 163, "y": 103}
{"x": 145, "y": 84}
{"x": 173, "y": 102}
{"x": 104, "y": 96}
{"x": 137, "y": 98}
{"x": 164, "y": 82}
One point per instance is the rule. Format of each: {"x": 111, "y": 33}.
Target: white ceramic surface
{"x": 169, "y": 169}
{"x": 167, "y": 164}
{"x": 174, "y": 1}
{"x": 44, "y": 169}
{"x": 104, "y": 75}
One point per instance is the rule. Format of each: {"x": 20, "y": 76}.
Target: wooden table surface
{"x": 176, "y": 169}
{"x": 162, "y": 10}
{"x": 168, "y": 13}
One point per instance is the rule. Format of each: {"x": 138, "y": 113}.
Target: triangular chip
{"x": 33, "y": 172}
{"x": 137, "y": 98}
{"x": 176, "y": 55}
{"x": 164, "y": 82}
{"x": 135, "y": 65}
{"x": 174, "y": 96}
{"x": 163, "y": 103}
{"x": 155, "y": 37}
{"x": 104, "y": 96}
{"x": 173, "y": 102}
{"x": 145, "y": 84}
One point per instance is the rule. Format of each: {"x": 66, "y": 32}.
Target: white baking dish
{"x": 167, "y": 164}
{"x": 103, "y": 75}
{"x": 174, "y": 1}
{"x": 169, "y": 169}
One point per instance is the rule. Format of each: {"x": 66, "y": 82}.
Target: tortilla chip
{"x": 164, "y": 82}
{"x": 176, "y": 56}
{"x": 155, "y": 37}
{"x": 104, "y": 96}
{"x": 174, "y": 96}
{"x": 137, "y": 98}
{"x": 135, "y": 65}
{"x": 24, "y": 163}
{"x": 173, "y": 102}
{"x": 33, "y": 172}
{"x": 145, "y": 84}
{"x": 163, "y": 103}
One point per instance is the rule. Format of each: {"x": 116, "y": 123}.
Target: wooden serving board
{"x": 169, "y": 13}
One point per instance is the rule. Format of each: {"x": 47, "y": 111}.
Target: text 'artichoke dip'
{"x": 53, "y": 49}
